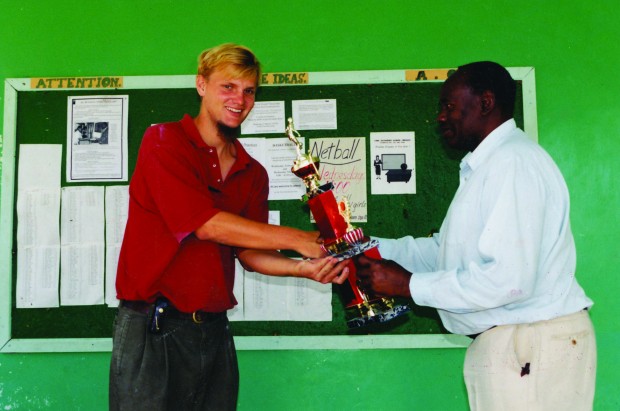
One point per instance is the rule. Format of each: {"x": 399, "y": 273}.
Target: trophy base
{"x": 352, "y": 250}
{"x": 377, "y": 311}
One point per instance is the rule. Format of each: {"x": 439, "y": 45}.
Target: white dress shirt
{"x": 505, "y": 252}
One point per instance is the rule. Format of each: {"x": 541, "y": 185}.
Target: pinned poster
{"x": 267, "y": 117}
{"x": 82, "y": 245}
{"x": 274, "y": 298}
{"x": 116, "y": 211}
{"x": 319, "y": 114}
{"x": 97, "y": 138}
{"x": 277, "y": 156}
{"x": 393, "y": 163}
{"x": 343, "y": 163}
{"x": 38, "y": 227}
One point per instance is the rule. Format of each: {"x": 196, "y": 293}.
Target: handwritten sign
{"x": 343, "y": 163}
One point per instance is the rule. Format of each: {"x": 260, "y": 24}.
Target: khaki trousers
{"x": 547, "y": 365}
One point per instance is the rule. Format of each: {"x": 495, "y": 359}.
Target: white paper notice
{"x": 393, "y": 163}
{"x": 315, "y": 114}
{"x": 38, "y": 238}
{"x": 266, "y": 117}
{"x": 283, "y": 184}
{"x": 97, "y": 138}
{"x": 277, "y": 156}
{"x": 343, "y": 162}
{"x": 255, "y": 146}
{"x": 271, "y": 298}
{"x": 116, "y": 207}
{"x": 236, "y": 313}
{"x": 82, "y": 245}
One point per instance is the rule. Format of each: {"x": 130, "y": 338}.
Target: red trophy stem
{"x": 327, "y": 216}
{"x": 359, "y": 297}
{"x": 333, "y": 226}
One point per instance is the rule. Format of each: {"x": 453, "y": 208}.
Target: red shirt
{"x": 176, "y": 187}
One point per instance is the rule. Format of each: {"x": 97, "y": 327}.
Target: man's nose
{"x": 239, "y": 96}
{"x": 441, "y": 117}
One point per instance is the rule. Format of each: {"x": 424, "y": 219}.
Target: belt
{"x": 473, "y": 336}
{"x": 171, "y": 312}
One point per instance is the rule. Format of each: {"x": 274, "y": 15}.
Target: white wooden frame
{"x": 329, "y": 342}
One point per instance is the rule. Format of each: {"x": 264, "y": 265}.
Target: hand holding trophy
{"x": 341, "y": 239}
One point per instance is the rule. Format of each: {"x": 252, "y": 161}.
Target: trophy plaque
{"x": 341, "y": 239}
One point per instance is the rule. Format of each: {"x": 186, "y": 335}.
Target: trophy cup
{"x": 341, "y": 239}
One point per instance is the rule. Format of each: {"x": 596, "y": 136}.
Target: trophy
{"x": 341, "y": 239}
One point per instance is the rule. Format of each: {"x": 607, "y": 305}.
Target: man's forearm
{"x": 230, "y": 229}
{"x": 268, "y": 262}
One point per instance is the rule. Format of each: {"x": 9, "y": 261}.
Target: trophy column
{"x": 341, "y": 239}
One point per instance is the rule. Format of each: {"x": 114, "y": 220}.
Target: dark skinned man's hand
{"x": 383, "y": 278}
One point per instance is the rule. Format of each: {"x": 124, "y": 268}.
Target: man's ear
{"x": 200, "y": 85}
{"x": 487, "y": 102}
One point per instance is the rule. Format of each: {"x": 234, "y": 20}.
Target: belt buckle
{"x": 196, "y": 317}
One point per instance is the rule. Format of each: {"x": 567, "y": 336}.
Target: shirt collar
{"x": 243, "y": 158}
{"x": 187, "y": 122}
{"x": 473, "y": 159}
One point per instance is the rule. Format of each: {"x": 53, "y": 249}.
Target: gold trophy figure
{"x": 305, "y": 166}
{"x": 341, "y": 239}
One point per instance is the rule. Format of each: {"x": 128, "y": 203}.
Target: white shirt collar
{"x": 487, "y": 146}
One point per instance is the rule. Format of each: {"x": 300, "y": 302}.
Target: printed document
{"x": 38, "y": 238}
{"x": 82, "y": 245}
{"x": 97, "y": 138}
{"x": 116, "y": 208}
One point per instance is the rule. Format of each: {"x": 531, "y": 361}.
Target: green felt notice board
{"x": 366, "y": 102}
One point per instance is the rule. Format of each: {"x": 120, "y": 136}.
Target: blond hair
{"x": 240, "y": 61}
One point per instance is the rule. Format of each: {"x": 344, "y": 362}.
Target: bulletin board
{"x": 367, "y": 101}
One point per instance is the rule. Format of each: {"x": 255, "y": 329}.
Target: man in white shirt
{"x": 502, "y": 267}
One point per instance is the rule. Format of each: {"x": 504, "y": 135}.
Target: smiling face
{"x": 461, "y": 118}
{"x": 226, "y": 99}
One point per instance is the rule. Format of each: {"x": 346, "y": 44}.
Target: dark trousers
{"x": 187, "y": 366}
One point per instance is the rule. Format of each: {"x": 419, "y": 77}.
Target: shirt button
{"x": 219, "y": 180}
{"x": 210, "y": 150}
{"x": 214, "y": 165}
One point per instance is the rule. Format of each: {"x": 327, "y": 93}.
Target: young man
{"x": 502, "y": 267}
{"x": 197, "y": 200}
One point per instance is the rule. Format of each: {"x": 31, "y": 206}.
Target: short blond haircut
{"x": 240, "y": 61}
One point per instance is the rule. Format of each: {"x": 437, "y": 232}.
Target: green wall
{"x": 573, "y": 46}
